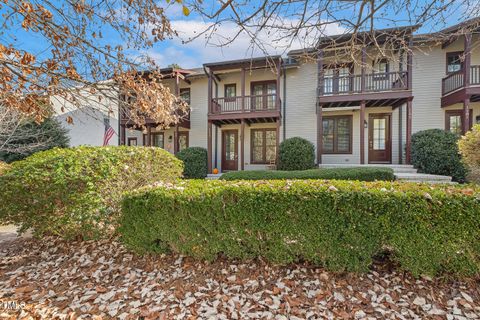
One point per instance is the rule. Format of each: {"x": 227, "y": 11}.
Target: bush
{"x": 30, "y": 137}
{"x": 435, "y": 151}
{"x": 76, "y": 192}
{"x": 338, "y": 224}
{"x": 296, "y": 154}
{"x": 195, "y": 162}
{"x": 362, "y": 174}
{"x": 469, "y": 149}
{"x": 3, "y": 167}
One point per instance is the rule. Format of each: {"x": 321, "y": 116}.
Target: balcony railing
{"x": 255, "y": 103}
{"x": 370, "y": 83}
{"x": 125, "y": 115}
{"x": 456, "y": 80}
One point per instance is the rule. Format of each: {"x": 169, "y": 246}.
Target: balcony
{"x": 377, "y": 89}
{"x": 126, "y": 119}
{"x": 456, "y": 80}
{"x": 255, "y": 108}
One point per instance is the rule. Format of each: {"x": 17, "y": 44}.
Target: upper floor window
{"x": 230, "y": 90}
{"x": 185, "y": 95}
{"x": 454, "y": 62}
{"x": 381, "y": 66}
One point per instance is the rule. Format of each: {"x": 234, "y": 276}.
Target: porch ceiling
{"x": 393, "y": 99}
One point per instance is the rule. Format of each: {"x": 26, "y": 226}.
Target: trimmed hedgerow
{"x": 361, "y": 174}
{"x": 340, "y": 225}
{"x": 296, "y": 154}
{"x": 195, "y": 162}
{"x": 435, "y": 151}
{"x": 76, "y": 192}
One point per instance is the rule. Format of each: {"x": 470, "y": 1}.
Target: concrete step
{"x": 400, "y": 168}
{"x": 422, "y": 177}
{"x": 212, "y": 176}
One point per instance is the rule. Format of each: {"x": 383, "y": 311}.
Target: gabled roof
{"x": 470, "y": 25}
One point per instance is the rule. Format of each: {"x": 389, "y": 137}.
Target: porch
{"x": 257, "y": 105}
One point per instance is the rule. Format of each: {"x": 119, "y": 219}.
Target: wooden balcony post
{"x": 321, "y": 73}
{"x": 176, "y": 135}
{"x": 242, "y": 145}
{"x": 319, "y": 133}
{"x": 209, "y": 147}
{"x": 468, "y": 59}
{"x": 409, "y": 64}
{"x": 209, "y": 91}
{"x": 362, "y": 132}
{"x": 409, "y": 132}
{"x": 243, "y": 89}
{"x": 466, "y": 115}
{"x": 277, "y": 90}
{"x": 364, "y": 65}
{"x": 122, "y": 134}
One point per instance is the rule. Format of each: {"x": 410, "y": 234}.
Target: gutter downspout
{"x": 284, "y": 118}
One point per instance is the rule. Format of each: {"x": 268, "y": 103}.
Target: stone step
{"x": 212, "y": 176}
{"x": 400, "y": 168}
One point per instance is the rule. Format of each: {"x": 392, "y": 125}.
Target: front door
{"x": 379, "y": 138}
{"x": 229, "y": 150}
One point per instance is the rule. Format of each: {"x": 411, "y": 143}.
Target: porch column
{"x": 362, "y": 132}
{"x": 409, "y": 64}
{"x": 409, "y": 132}
{"x": 468, "y": 59}
{"x": 320, "y": 71}
{"x": 209, "y": 91}
{"x": 243, "y": 89}
{"x": 122, "y": 134}
{"x": 149, "y": 135}
{"x": 277, "y": 142}
{"x": 242, "y": 145}
{"x": 319, "y": 133}
{"x": 176, "y": 135}
{"x": 466, "y": 115}
{"x": 277, "y": 91}
{"x": 209, "y": 146}
{"x": 364, "y": 65}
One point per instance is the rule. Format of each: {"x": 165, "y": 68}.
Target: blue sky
{"x": 193, "y": 54}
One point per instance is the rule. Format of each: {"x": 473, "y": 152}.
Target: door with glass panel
{"x": 337, "y": 80}
{"x": 264, "y": 94}
{"x": 229, "y": 150}
{"x": 379, "y": 138}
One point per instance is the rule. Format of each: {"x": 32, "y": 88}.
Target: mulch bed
{"x": 102, "y": 280}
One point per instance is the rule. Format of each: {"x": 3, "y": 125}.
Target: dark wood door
{"x": 229, "y": 150}
{"x": 379, "y": 138}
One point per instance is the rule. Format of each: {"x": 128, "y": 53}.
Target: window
{"x": 264, "y": 94}
{"x": 264, "y": 145}
{"x": 230, "y": 90}
{"x": 454, "y": 62}
{"x": 157, "y": 139}
{"x": 185, "y": 95}
{"x": 132, "y": 141}
{"x": 182, "y": 140}
{"x": 454, "y": 121}
{"x": 380, "y": 69}
{"x": 337, "y": 134}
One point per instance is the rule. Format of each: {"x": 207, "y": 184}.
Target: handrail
{"x": 250, "y": 103}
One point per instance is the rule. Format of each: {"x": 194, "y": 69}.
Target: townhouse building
{"x": 357, "y": 100}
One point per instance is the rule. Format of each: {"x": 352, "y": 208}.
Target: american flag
{"x": 109, "y": 132}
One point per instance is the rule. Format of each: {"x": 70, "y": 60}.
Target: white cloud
{"x": 218, "y": 44}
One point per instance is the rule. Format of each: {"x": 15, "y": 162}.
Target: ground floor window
{"x": 263, "y": 145}
{"x": 132, "y": 141}
{"x": 157, "y": 139}
{"x": 182, "y": 140}
{"x": 454, "y": 121}
{"x": 337, "y": 134}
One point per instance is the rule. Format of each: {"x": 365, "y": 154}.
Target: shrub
{"x": 3, "y": 167}
{"x": 76, "y": 192}
{"x": 435, "y": 151}
{"x": 468, "y": 146}
{"x": 296, "y": 154}
{"x": 338, "y": 224}
{"x": 195, "y": 162}
{"x": 30, "y": 137}
{"x": 360, "y": 173}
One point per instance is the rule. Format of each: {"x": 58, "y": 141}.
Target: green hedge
{"x": 361, "y": 174}
{"x": 296, "y": 154}
{"x": 435, "y": 151}
{"x": 195, "y": 160}
{"x": 338, "y": 224}
{"x": 76, "y": 192}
